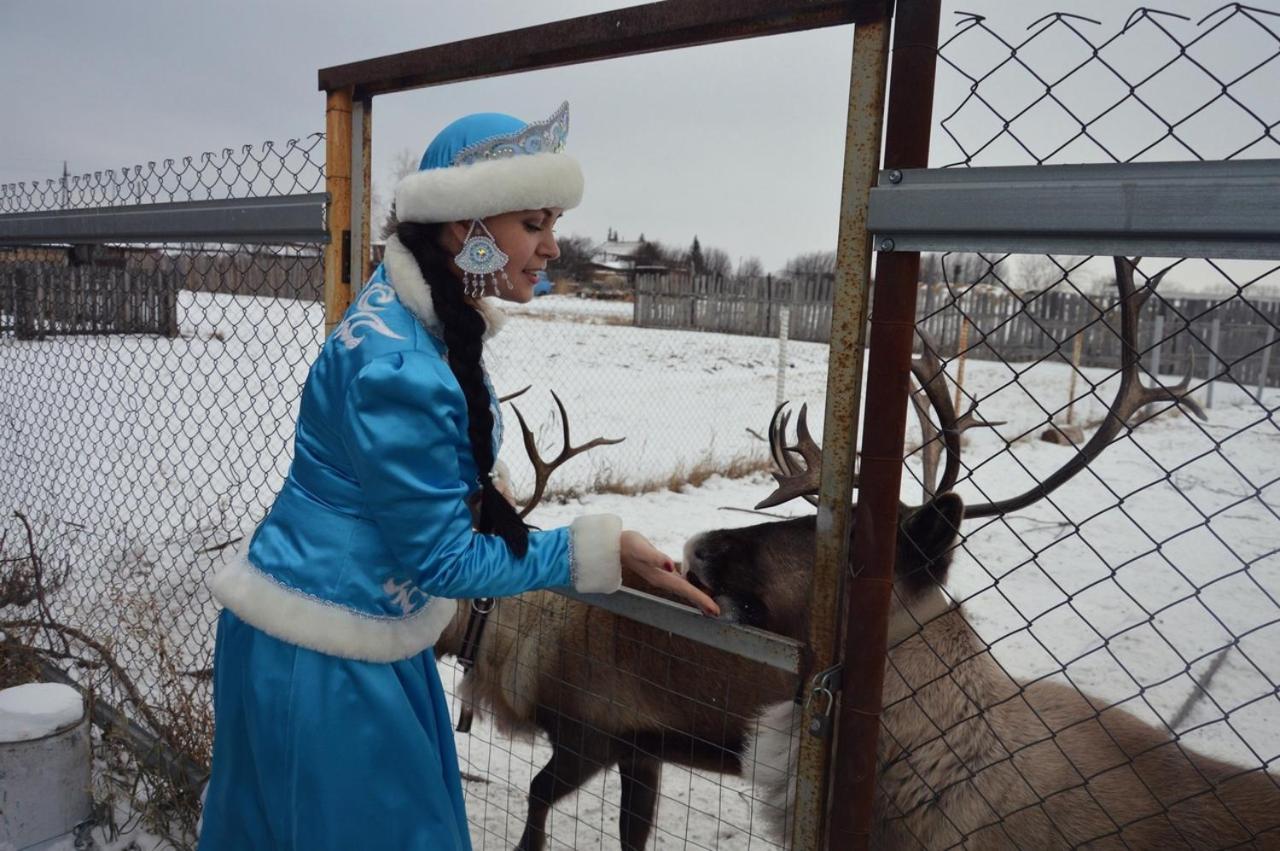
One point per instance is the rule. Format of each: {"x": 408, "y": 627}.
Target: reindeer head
{"x": 759, "y": 574}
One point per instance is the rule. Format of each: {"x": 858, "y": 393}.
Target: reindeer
{"x": 967, "y": 755}
{"x": 608, "y": 691}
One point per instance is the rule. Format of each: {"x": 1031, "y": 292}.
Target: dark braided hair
{"x": 463, "y": 335}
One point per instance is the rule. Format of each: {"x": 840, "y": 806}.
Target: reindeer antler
{"x": 796, "y": 480}
{"x": 1129, "y": 399}
{"x": 931, "y": 376}
{"x": 542, "y": 470}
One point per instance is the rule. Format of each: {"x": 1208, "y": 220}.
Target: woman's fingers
{"x": 658, "y": 569}
{"x": 675, "y": 583}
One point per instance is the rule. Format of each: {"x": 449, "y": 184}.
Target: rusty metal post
{"x": 361, "y": 197}
{"x": 337, "y": 177}
{"x": 889, "y": 368}
{"x": 844, "y": 390}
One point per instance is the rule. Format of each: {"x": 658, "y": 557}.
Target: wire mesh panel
{"x": 148, "y": 392}
{"x": 1109, "y": 677}
{"x": 595, "y": 731}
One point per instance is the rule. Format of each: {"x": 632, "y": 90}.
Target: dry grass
{"x": 682, "y": 476}
{"x": 123, "y": 663}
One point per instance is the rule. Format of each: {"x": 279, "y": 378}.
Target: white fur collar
{"x": 411, "y": 287}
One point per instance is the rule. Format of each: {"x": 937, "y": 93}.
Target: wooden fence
{"x": 735, "y": 305}
{"x": 39, "y": 300}
{"x": 1205, "y": 337}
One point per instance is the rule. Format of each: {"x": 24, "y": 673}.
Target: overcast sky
{"x": 739, "y": 143}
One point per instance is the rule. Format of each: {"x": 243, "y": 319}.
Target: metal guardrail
{"x": 274, "y": 219}
{"x": 1158, "y": 209}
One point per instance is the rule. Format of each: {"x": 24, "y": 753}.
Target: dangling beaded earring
{"x": 481, "y": 259}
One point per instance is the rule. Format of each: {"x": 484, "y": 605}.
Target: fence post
{"x": 1077, "y": 349}
{"x": 39, "y": 313}
{"x": 1216, "y": 365}
{"x": 337, "y": 175}
{"x": 21, "y": 304}
{"x": 868, "y": 78}
{"x": 169, "y": 283}
{"x": 1266, "y": 360}
{"x": 784, "y": 325}
{"x": 1158, "y": 333}
{"x": 869, "y": 594}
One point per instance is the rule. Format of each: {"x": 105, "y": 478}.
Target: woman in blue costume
{"x": 332, "y": 730}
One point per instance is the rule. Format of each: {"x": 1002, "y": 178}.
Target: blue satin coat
{"x": 332, "y": 730}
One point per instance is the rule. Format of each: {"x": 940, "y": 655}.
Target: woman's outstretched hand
{"x": 659, "y": 570}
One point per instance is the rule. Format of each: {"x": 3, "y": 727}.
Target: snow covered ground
{"x": 136, "y": 458}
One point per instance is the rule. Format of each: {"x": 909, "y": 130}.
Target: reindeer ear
{"x": 926, "y": 540}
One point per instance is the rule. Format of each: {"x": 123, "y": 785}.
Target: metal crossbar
{"x": 755, "y": 644}
{"x": 276, "y": 219}
{"x": 1115, "y": 208}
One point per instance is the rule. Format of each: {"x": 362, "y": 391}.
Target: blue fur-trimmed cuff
{"x": 595, "y": 553}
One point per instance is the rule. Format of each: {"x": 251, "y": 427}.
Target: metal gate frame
{"x": 350, "y": 90}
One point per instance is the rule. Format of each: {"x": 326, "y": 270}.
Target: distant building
{"x": 617, "y": 261}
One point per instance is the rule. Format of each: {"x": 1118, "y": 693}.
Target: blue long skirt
{"x": 316, "y": 752}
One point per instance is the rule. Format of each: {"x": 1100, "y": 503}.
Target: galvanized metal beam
{"x": 1167, "y": 209}
{"x": 278, "y": 219}
{"x": 621, "y": 32}
{"x": 745, "y": 641}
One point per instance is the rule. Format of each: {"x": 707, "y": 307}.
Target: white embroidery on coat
{"x": 373, "y": 298}
{"x": 406, "y": 595}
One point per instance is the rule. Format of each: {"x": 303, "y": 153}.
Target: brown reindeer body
{"x": 609, "y": 691}
{"x": 969, "y": 757}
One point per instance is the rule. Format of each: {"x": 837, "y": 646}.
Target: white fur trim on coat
{"x": 464, "y": 192}
{"x": 595, "y": 553}
{"x": 412, "y": 290}
{"x": 307, "y": 621}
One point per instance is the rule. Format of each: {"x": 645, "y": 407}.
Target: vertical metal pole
{"x": 359, "y": 201}
{"x": 1077, "y": 348}
{"x": 784, "y": 326}
{"x": 361, "y": 192}
{"x": 888, "y": 388}
{"x": 1266, "y": 361}
{"x": 1216, "y": 366}
{"x": 1159, "y": 344}
{"x": 337, "y": 176}
{"x": 844, "y": 392}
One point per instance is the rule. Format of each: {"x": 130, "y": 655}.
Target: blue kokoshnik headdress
{"x": 490, "y": 163}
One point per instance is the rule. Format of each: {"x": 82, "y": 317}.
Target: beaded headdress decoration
{"x": 542, "y": 137}
{"x": 481, "y": 260}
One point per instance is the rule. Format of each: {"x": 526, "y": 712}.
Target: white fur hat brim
{"x": 460, "y": 193}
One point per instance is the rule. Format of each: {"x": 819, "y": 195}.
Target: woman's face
{"x": 528, "y": 239}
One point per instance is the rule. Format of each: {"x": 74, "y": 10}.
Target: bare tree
{"x": 717, "y": 261}
{"x": 961, "y": 269}
{"x": 750, "y": 267}
{"x": 405, "y": 162}
{"x": 575, "y": 257}
{"x": 813, "y": 263}
{"x": 1042, "y": 271}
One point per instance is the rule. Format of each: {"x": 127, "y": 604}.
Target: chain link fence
{"x": 147, "y": 392}
{"x": 1112, "y": 676}
{"x": 137, "y": 454}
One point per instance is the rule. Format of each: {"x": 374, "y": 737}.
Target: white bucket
{"x": 44, "y": 764}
